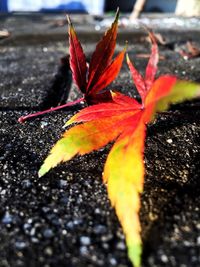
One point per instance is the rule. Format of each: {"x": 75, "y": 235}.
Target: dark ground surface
{"x": 65, "y": 218}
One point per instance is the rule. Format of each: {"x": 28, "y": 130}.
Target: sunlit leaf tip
{"x": 70, "y": 121}
{"x": 77, "y": 59}
{"x": 103, "y": 54}
{"x": 127, "y": 58}
{"x": 125, "y": 183}
{"x": 68, "y": 20}
{"x": 70, "y": 25}
{"x": 43, "y": 170}
{"x": 117, "y": 15}
{"x": 134, "y": 253}
{"x": 58, "y": 153}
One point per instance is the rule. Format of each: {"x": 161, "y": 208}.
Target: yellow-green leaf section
{"x": 84, "y": 138}
{"x": 168, "y": 90}
{"x": 124, "y": 174}
{"x": 181, "y": 91}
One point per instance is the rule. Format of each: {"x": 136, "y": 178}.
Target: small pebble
{"x": 3, "y": 192}
{"x": 121, "y": 245}
{"x": 7, "y": 219}
{"x": 45, "y": 49}
{"x": 170, "y": 141}
{"x": 70, "y": 225}
{"x": 32, "y": 231}
{"x": 113, "y": 261}
{"x": 35, "y": 240}
{"x": 62, "y": 183}
{"x": 83, "y": 250}
{"x": 64, "y": 232}
{"x": 43, "y": 124}
{"x": 97, "y": 211}
{"x": 106, "y": 238}
{"x": 45, "y": 209}
{"x": 26, "y": 184}
{"x": 164, "y": 258}
{"x": 187, "y": 243}
{"x": 85, "y": 240}
{"x": 100, "y": 229}
{"x": 20, "y": 245}
{"x": 48, "y": 233}
{"x": 97, "y": 28}
{"x": 48, "y": 251}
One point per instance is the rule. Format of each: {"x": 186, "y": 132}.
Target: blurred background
{"x": 97, "y": 7}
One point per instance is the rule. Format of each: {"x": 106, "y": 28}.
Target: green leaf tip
{"x": 134, "y": 253}
{"x": 43, "y": 170}
{"x": 127, "y": 58}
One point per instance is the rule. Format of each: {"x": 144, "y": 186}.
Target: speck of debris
{"x": 170, "y": 141}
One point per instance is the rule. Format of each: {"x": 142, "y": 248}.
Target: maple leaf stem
{"x": 29, "y": 116}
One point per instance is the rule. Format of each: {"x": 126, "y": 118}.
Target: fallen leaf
{"x": 123, "y": 121}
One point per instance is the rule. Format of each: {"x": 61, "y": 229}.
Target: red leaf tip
{"x": 21, "y": 120}
{"x": 68, "y": 20}
{"x": 70, "y": 25}
{"x": 117, "y": 15}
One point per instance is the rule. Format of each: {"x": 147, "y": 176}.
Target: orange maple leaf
{"x": 123, "y": 120}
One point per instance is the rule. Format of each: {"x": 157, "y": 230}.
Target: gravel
{"x": 65, "y": 217}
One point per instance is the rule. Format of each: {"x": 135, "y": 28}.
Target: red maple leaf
{"x": 102, "y": 70}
